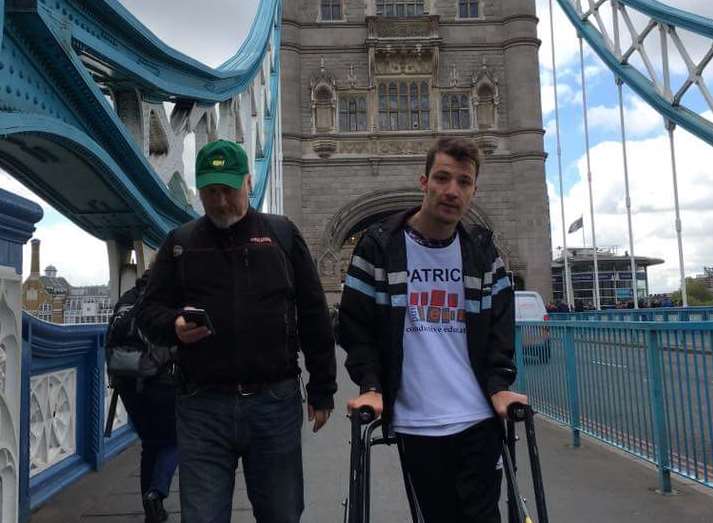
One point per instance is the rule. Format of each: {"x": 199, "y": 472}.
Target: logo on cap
{"x": 218, "y": 163}
{"x": 177, "y": 251}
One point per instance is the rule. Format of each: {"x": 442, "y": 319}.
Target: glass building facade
{"x": 615, "y": 279}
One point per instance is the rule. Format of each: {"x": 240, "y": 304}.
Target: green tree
{"x": 698, "y": 293}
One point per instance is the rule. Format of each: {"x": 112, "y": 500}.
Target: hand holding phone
{"x": 201, "y": 326}
{"x": 199, "y": 317}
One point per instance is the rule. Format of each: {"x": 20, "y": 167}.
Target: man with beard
{"x": 427, "y": 320}
{"x": 260, "y": 299}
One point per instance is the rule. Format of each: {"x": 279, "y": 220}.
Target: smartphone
{"x": 199, "y": 317}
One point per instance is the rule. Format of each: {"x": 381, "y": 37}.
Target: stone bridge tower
{"x": 368, "y": 85}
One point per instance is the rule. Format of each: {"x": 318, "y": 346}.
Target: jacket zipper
{"x": 247, "y": 266}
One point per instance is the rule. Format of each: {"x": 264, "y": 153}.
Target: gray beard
{"x": 224, "y": 223}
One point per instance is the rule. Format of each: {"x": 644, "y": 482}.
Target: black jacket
{"x": 264, "y": 304}
{"x": 373, "y": 308}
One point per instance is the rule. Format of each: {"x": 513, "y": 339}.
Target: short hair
{"x": 458, "y": 148}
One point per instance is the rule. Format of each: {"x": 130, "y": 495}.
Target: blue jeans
{"x": 152, "y": 413}
{"x": 216, "y": 429}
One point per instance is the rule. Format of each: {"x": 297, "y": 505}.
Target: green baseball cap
{"x": 221, "y": 162}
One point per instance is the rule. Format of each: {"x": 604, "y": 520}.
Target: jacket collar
{"x": 395, "y": 223}
{"x": 474, "y": 239}
{"x": 208, "y": 224}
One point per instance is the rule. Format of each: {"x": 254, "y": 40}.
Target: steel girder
{"x": 67, "y": 68}
{"x": 606, "y": 24}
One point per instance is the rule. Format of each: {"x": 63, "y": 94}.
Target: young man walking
{"x": 427, "y": 320}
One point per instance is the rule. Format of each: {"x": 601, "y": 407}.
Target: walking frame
{"x": 357, "y": 507}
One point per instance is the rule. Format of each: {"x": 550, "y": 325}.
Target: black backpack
{"x": 128, "y": 353}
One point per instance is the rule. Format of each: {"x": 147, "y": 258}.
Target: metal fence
{"x": 649, "y": 314}
{"x": 644, "y": 387}
{"x": 63, "y": 411}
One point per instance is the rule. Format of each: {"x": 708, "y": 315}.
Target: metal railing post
{"x": 519, "y": 359}
{"x": 94, "y": 407}
{"x": 572, "y": 386}
{"x": 658, "y": 413}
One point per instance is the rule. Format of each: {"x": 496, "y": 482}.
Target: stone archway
{"x": 360, "y": 213}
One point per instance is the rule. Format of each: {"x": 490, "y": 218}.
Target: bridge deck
{"x": 589, "y": 484}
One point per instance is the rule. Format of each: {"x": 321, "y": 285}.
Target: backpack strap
{"x": 281, "y": 227}
{"x": 182, "y": 236}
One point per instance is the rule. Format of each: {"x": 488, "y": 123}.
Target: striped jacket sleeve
{"x": 501, "y": 342}
{"x": 363, "y": 295}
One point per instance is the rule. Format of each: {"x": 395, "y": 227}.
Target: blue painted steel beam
{"x": 165, "y": 72}
{"x": 150, "y": 210}
{"x": 670, "y": 15}
{"x": 682, "y": 116}
{"x": 59, "y": 33}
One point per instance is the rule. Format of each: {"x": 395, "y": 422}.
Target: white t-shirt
{"x": 439, "y": 394}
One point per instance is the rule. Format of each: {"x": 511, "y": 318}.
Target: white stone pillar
{"x": 17, "y": 219}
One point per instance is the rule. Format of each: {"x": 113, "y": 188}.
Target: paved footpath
{"x": 590, "y": 484}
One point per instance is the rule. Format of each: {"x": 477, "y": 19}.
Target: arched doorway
{"x": 347, "y": 225}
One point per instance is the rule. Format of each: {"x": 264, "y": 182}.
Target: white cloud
{"x": 651, "y": 191}
{"x": 550, "y": 127}
{"x": 78, "y": 256}
{"x": 639, "y": 118}
{"x": 566, "y": 95}
{"x": 567, "y": 49}
{"x": 592, "y": 71}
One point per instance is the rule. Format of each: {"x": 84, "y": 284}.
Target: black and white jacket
{"x": 373, "y": 308}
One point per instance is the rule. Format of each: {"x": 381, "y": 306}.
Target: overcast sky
{"x": 214, "y": 31}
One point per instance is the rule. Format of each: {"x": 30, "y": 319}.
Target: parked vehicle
{"x": 529, "y": 306}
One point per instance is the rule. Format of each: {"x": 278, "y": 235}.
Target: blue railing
{"x": 643, "y": 387}
{"x": 648, "y": 314}
{"x": 63, "y": 414}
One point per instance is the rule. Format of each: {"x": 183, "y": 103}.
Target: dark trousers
{"x": 216, "y": 429}
{"x": 456, "y": 478}
{"x": 152, "y": 412}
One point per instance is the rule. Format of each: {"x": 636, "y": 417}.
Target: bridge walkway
{"x": 591, "y": 484}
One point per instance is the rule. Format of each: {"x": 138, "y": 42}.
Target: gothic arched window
{"x": 399, "y": 7}
{"x": 352, "y": 113}
{"x": 455, "y": 111}
{"x": 404, "y": 106}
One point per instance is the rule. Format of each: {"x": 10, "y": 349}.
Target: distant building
{"x": 52, "y": 298}
{"x": 614, "y": 276}
{"x": 706, "y": 277}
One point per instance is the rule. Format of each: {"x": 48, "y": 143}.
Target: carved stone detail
{"x": 404, "y": 147}
{"x": 351, "y": 147}
{"x": 486, "y": 98}
{"x": 453, "y": 78}
{"x": 391, "y": 61}
{"x": 414, "y": 27}
{"x": 324, "y": 147}
{"x": 323, "y": 97}
{"x": 328, "y": 263}
{"x": 351, "y": 77}
{"x": 487, "y": 143}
